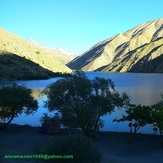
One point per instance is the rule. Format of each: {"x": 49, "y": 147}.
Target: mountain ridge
{"x": 62, "y": 55}
{"x": 108, "y": 55}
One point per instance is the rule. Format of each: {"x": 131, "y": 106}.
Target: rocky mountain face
{"x": 18, "y": 56}
{"x": 137, "y": 50}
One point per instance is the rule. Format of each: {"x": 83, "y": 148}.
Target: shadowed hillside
{"x": 15, "y": 67}
{"x": 12, "y": 44}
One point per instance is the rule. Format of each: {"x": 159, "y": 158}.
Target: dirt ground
{"x": 114, "y": 147}
{"x": 124, "y": 148}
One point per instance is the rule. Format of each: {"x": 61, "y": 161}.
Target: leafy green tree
{"x": 82, "y": 102}
{"x": 157, "y": 117}
{"x": 15, "y": 100}
{"x": 137, "y": 115}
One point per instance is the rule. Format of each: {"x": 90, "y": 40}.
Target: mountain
{"x": 60, "y": 54}
{"x": 22, "y": 60}
{"x": 137, "y": 50}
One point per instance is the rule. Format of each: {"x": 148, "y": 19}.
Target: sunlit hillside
{"x": 12, "y": 44}
{"x": 139, "y": 49}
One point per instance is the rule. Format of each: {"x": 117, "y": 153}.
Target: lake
{"x": 141, "y": 87}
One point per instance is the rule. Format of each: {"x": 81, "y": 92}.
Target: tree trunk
{"x": 131, "y": 129}
{"x": 97, "y": 120}
{"x": 4, "y": 126}
{"x": 86, "y": 132}
{"x": 135, "y": 130}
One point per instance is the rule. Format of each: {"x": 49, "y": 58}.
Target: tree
{"x": 14, "y": 100}
{"x": 82, "y": 102}
{"x": 137, "y": 115}
{"x": 157, "y": 117}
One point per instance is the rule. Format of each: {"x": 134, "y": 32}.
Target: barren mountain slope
{"x": 136, "y": 61}
{"x": 122, "y": 52}
{"x": 10, "y": 43}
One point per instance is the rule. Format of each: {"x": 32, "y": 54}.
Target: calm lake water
{"x": 142, "y": 88}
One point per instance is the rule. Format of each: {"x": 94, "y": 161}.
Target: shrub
{"x": 137, "y": 115}
{"x": 157, "y": 116}
{"x": 77, "y": 145}
{"x": 46, "y": 118}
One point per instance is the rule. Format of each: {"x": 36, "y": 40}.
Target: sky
{"x": 75, "y": 25}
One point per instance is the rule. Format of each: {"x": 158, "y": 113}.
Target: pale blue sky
{"x": 75, "y": 25}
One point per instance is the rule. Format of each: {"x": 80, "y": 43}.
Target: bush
{"x": 50, "y": 125}
{"x": 78, "y": 146}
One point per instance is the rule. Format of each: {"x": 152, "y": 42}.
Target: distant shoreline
{"x": 55, "y": 75}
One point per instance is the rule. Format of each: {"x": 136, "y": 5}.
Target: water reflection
{"x": 36, "y": 93}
